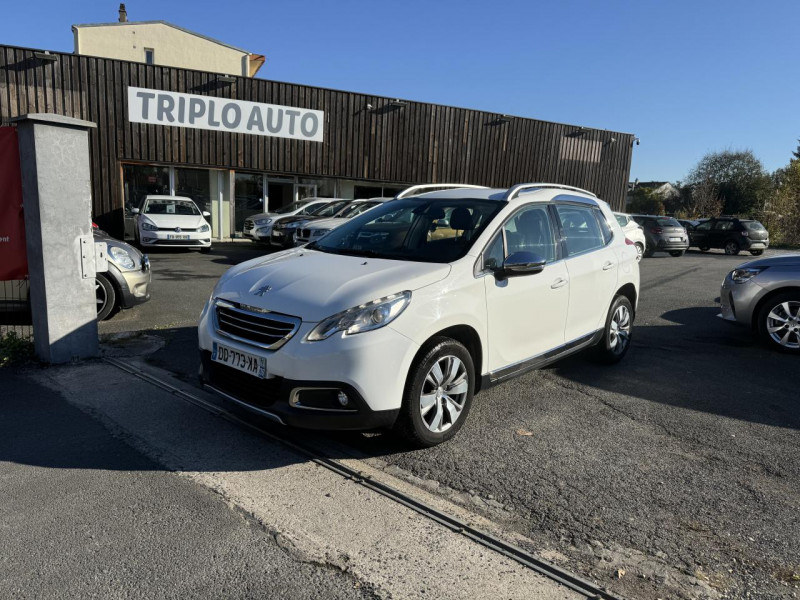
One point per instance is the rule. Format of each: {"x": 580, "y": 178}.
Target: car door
{"x": 700, "y": 234}
{"x": 526, "y": 314}
{"x": 721, "y": 232}
{"x": 592, "y": 266}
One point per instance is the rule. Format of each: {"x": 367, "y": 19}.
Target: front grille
{"x": 261, "y": 393}
{"x": 177, "y": 243}
{"x": 265, "y": 330}
{"x": 183, "y": 229}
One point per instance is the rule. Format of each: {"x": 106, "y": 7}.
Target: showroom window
{"x": 248, "y": 189}
{"x": 137, "y": 182}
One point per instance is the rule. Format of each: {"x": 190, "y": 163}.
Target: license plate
{"x": 675, "y": 239}
{"x": 172, "y": 236}
{"x": 242, "y": 361}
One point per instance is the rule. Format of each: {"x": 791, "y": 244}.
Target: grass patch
{"x": 14, "y": 349}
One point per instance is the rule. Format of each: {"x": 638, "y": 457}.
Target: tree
{"x": 645, "y": 202}
{"x": 704, "y": 200}
{"x": 782, "y": 214}
{"x": 796, "y": 153}
{"x": 742, "y": 184}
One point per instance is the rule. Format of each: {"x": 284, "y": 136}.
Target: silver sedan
{"x": 765, "y": 295}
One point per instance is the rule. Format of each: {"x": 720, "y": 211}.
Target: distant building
{"x": 164, "y": 44}
{"x": 664, "y": 189}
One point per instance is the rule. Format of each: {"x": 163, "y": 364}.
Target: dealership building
{"x": 239, "y": 145}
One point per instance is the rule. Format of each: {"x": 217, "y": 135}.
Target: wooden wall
{"x": 415, "y": 143}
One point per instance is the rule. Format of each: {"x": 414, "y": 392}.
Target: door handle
{"x": 560, "y": 282}
{"x": 608, "y": 265}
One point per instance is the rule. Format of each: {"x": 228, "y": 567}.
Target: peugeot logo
{"x": 177, "y": 230}
{"x": 262, "y": 290}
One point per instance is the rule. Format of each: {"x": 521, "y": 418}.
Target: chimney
{"x": 123, "y": 14}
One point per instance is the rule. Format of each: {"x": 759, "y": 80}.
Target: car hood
{"x": 294, "y": 219}
{"x": 169, "y": 221}
{"x": 784, "y": 260}
{"x": 327, "y": 223}
{"x": 314, "y": 285}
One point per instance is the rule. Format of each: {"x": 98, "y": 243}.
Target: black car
{"x": 663, "y": 234}
{"x": 730, "y": 234}
{"x": 688, "y": 224}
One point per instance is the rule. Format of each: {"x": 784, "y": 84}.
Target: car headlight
{"x": 204, "y": 228}
{"x": 263, "y": 221}
{"x": 148, "y": 226}
{"x": 746, "y": 274}
{"x": 366, "y": 317}
{"x": 122, "y": 257}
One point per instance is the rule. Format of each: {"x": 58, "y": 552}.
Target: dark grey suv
{"x": 663, "y": 234}
{"x": 732, "y": 235}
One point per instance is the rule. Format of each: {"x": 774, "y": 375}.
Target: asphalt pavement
{"x": 674, "y": 474}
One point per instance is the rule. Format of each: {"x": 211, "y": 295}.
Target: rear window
{"x": 622, "y": 220}
{"x": 667, "y": 222}
{"x": 753, "y": 225}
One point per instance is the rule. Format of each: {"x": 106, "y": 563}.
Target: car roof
{"x": 499, "y": 194}
{"x": 166, "y": 197}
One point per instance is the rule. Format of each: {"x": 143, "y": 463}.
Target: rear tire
{"x": 704, "y": 248}
{"x": 648, "y": 252}
{"x": 778, "y": 327}
{"x": 105, "y": 296}
{"x": 677, "y": 253}
{"x": 438, "y": 394}
{"x": 616, "y": 340}
{"x": 731, "y": 248}
{"x": 205, "y": 250}
{"x": 639, "y": 251}
{"x": 756, "y": 252}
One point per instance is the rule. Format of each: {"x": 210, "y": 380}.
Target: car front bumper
{"x": 166, "y": 239}
{"x": 370, "y": 368}
{"x": 133, "y": 285}
{"x": 738, "y": 300}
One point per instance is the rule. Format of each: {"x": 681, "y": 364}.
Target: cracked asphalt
{"x": 675, "y": 474}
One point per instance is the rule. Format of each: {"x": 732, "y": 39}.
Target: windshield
{"x": 356, "y": 209}
{"x": 290, "y": 207}
{"x": 170, "y": 207}
{"x": 330, "y": 209}
{"x": 753, "y": 225}
{"x": 427, "y": 230}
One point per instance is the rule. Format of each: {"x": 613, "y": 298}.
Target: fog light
{"x": 343, "y": 399}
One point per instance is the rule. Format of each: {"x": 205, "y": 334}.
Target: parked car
{"x": 125, "y": 284}
{"x": 688, "y": 224}
{"x": 663, "y": 234}
{"x": 171, "y": 222}
{"x": 309, "y": 232}
{"x": 731, "y": 234}
{"x": 258, "y": 227}
{"x": 399, "y": 316}
{"x": 633, "y": 231}
{"x": 764, "y": 294}
{"x": 284, "y": 229}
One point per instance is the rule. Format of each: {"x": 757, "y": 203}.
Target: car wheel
{"x": 704, "y": 248}
{"x": 731, "y": 248}
{"x": 205, "y": 250}
{"x": 639, "y": 251}
{"x": 438, "y": 394}
{"x": 105, "y": 297}
{"x": 677, "y": 253}
{"x": 779, "y": 322}
{"x": 756, "y": 252}
{"x": 617, "y": 333}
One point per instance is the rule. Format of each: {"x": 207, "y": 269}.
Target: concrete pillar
{"x": 57, "y": 200}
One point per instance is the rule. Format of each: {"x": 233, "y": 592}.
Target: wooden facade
{"x": 411, "y": 143}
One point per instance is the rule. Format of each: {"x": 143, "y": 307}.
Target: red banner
{"x": 13, "y": 256}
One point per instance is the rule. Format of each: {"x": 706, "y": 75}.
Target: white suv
{"x": 397, "y": 317}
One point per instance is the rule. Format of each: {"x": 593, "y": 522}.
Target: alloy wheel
{"x": 619, "y": 334}
{"x": 731, "y": 248}
{"x": 783, "y": 324}
{"x": 639, "y": 252}
{"x": 444, "y": 393}
{"x": 101, "y": 297}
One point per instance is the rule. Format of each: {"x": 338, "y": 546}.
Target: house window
{"x": 149, "y": 56}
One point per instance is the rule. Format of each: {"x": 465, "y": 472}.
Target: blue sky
{"x": 687, "y": 77}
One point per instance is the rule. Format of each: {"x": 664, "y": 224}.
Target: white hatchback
{"x": 633, "y": 231}
{"x": 399, "y": 316}
{"x": 172, "y": 222}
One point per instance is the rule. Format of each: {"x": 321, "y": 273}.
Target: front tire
{"x": 616, "y": 340}
{"x": 731, "y": 248}
{"x": 756, "y": 252}
{"x": 779, "y": 323}
{"x": 438, "y": 394}
{"x": 677, "y": 253}
{"x": 105, "y": 296}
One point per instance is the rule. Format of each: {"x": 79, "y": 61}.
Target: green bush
{"x": 14, "y": 349}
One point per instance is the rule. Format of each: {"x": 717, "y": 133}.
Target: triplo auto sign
{"x": 158, "y": 107}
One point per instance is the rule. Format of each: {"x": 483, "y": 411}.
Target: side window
{"x": 723, "y": 225}
{"x": 530, "y": 230}
{"x": 622, "y": 220}
{"x": 494, "y": 255}
{"x": 604, "y": 228}
{"x": 580, "y": 228}
{"x": 705, "y": 226}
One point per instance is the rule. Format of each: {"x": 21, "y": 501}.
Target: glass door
{"x": 248, "y": 197}
{"x": 304, "y": 190}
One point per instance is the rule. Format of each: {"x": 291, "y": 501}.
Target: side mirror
{"x": 206, "y": 214}
{"x": 134, "y": 211}
{"x": 521, "y": 263}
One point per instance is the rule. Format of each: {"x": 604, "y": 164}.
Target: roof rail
{"x": 426, "y": 186}
{"x": 515, "y": 191}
